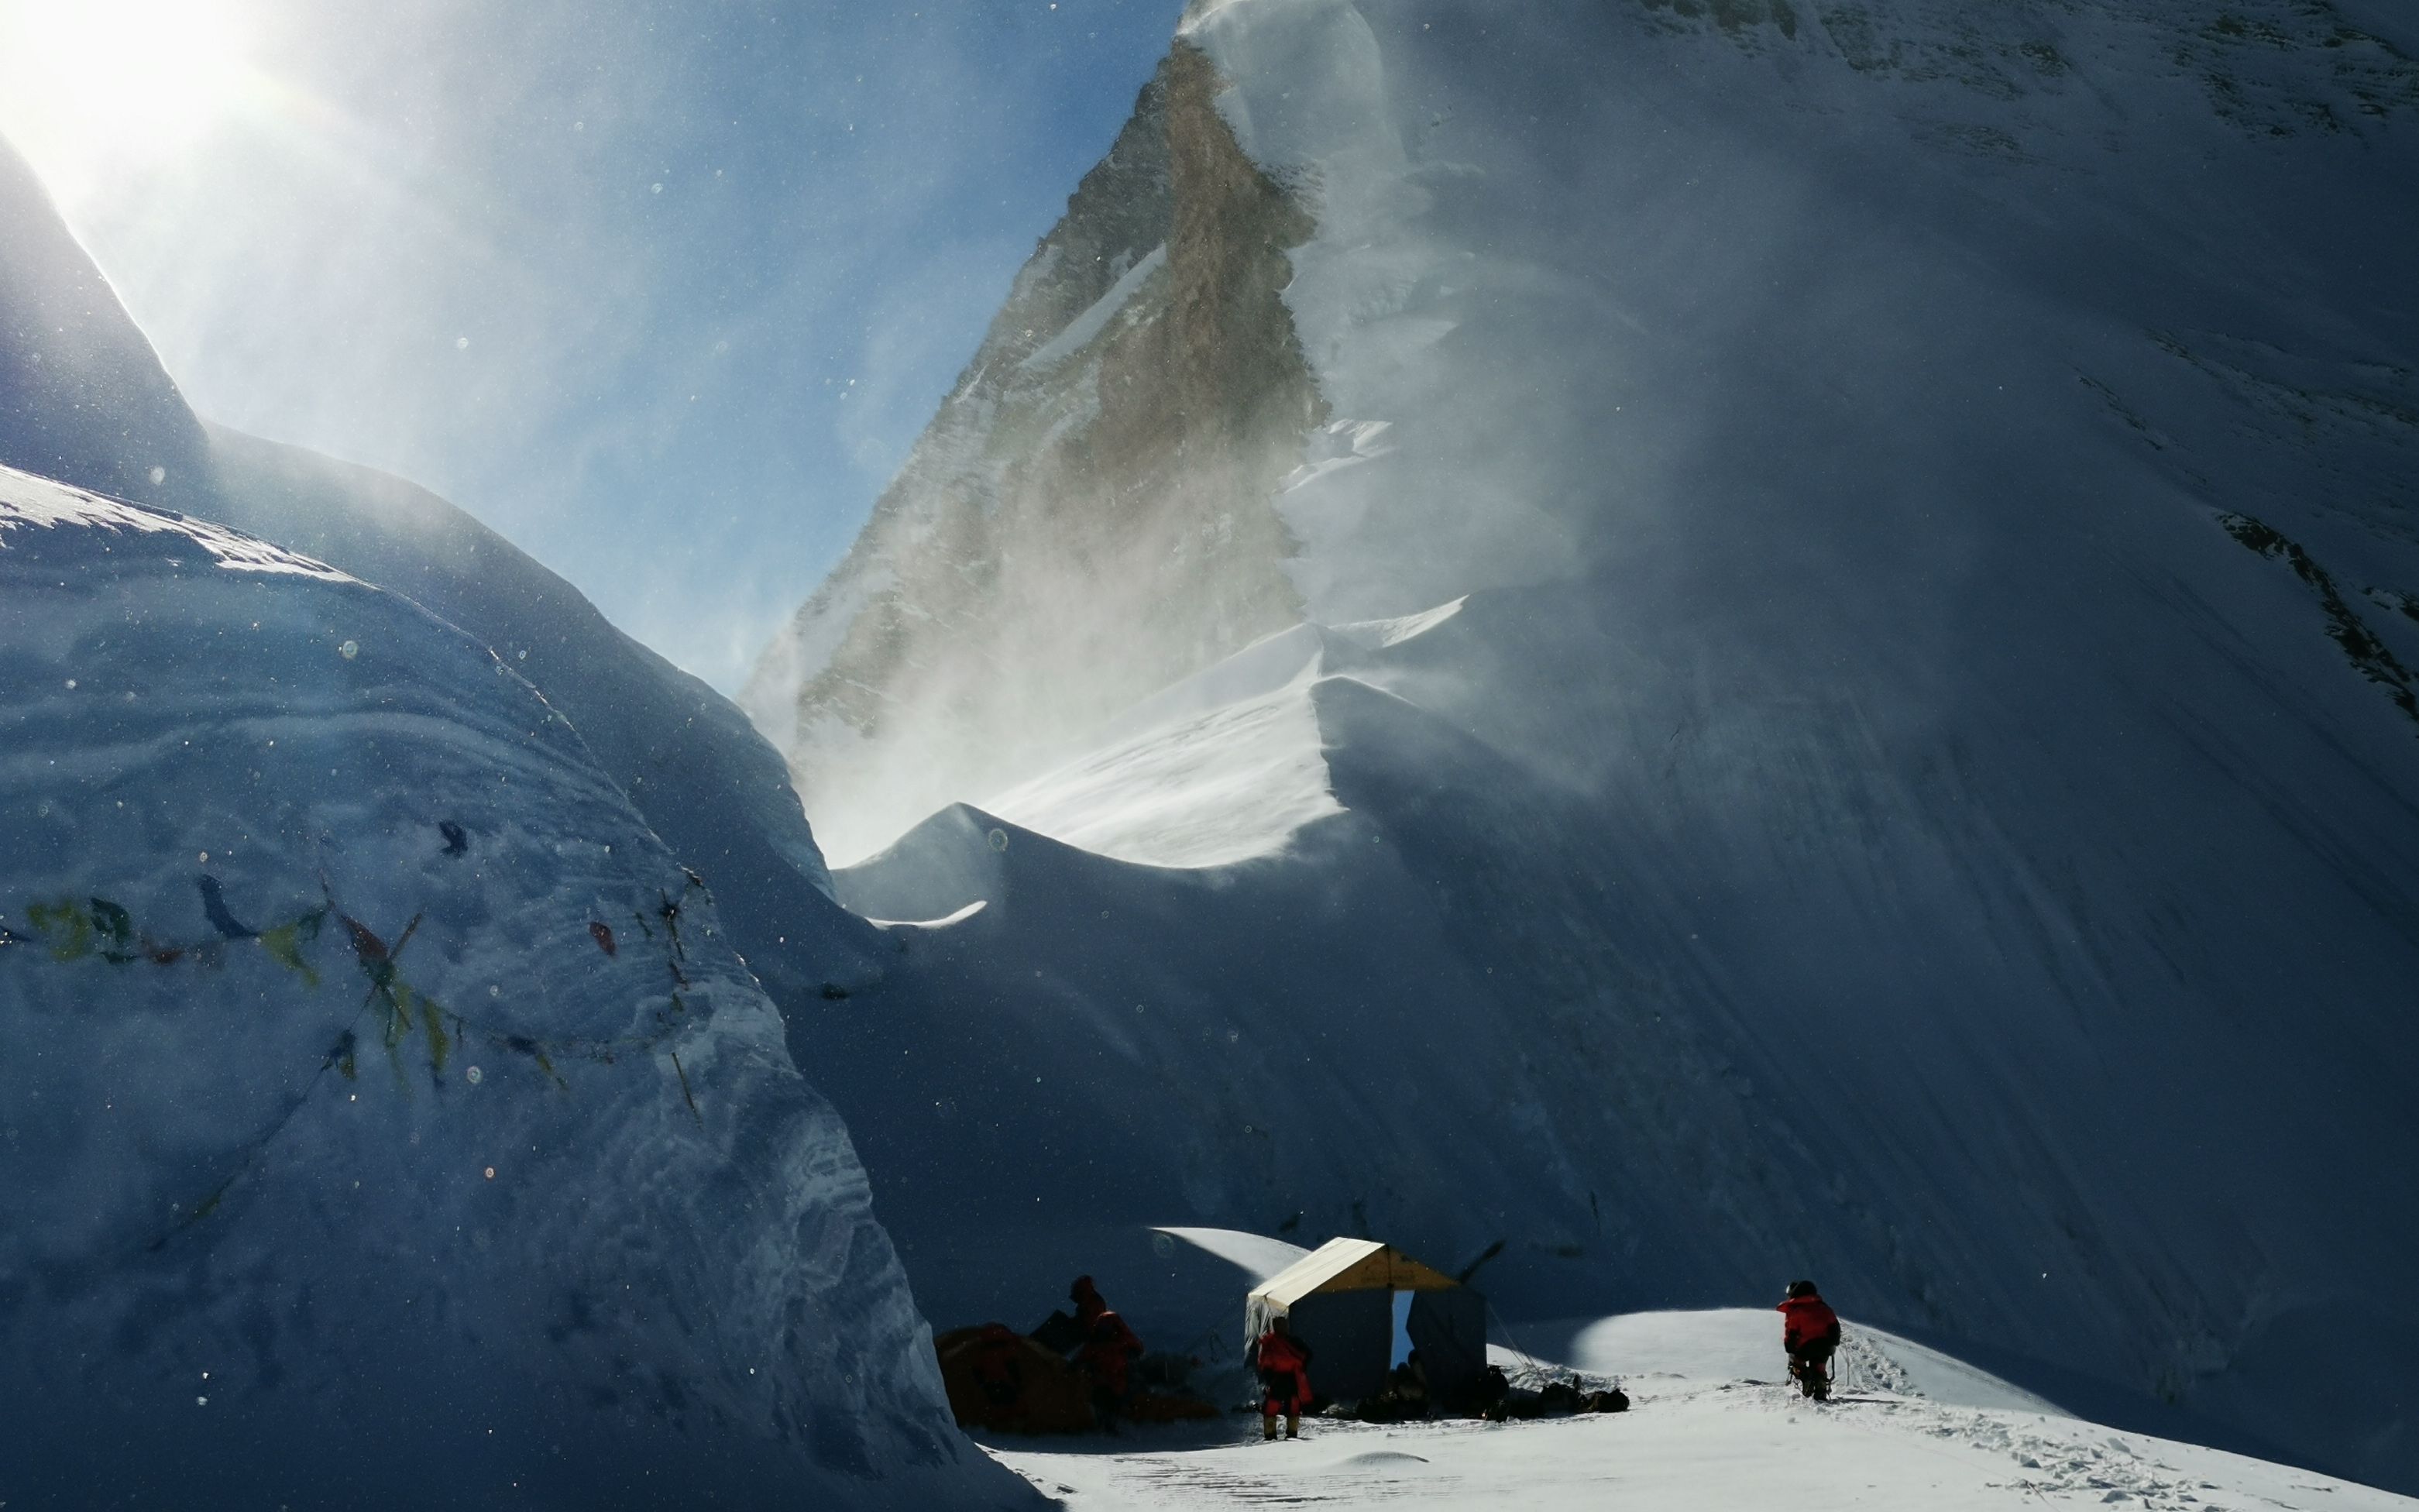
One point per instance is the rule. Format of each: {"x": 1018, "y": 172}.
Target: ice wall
{"x": 387, "y": 1116}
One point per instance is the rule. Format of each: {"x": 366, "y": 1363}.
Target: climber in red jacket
{"x": 1810, "y": 1330}
{"x": 1283, "y": 1363}
{"x": 1107, "y": 1357}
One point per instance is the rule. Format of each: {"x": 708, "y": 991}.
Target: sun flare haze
{"x": 89, "y": 87}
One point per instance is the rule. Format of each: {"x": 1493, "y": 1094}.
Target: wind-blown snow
{"x": 1919, "y": 782}
{"x": 386, "y": 1114}
{"x": 1221, "y": 767}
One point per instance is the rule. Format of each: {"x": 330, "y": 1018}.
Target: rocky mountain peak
{"x": 1094, "y": 492}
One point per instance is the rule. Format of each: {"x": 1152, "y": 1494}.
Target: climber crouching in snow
{"x": 1283, "y": 1364}
{"x": 1810, "y": 1330}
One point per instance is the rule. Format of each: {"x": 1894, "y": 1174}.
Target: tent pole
{"x": 1529, "y": 1359}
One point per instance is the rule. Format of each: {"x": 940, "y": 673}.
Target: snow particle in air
{"x": 494, "y": 991}
{"x": 656, "y": 189}
{"x": 159, "y": 476}
{"x": 491, "y": 1173}
{"x": 70, "y": 685}
{"x": 999, "y": 839}
{"x": 349, "y": 650}
{"x": 205, "y": 858}
{"x": 474, "y": 1076}
{"x": 201, "y": 1401}
{"x": 461, "y": 344}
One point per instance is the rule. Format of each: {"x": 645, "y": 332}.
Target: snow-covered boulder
{"x": 384, "y": 1115}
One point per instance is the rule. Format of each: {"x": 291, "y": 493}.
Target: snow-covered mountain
{"x": 1852, "y": 710}
{"x": 1087, "y": 520}
{"x": 389, "y": 1114}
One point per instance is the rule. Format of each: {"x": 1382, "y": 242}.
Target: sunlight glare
{"x": 92, "y": 87}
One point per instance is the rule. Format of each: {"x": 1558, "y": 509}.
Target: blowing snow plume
{"x": 1089, "y": 517}
{"x": 1920, "y": 787}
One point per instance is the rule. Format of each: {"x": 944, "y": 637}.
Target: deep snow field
{"x": 1910, "y": 1430}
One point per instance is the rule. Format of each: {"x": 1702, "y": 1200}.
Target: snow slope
{"x": 1701, "y": 1448}
{"x": 388, "y": 1116}
{"x": 1921, "y": 784}
{"x": 1708, "y": 1428}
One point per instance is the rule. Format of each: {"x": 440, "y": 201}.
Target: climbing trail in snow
{"x": 1701, "y": 1436}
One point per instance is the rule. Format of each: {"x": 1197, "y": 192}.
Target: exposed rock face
{"x": 1093, "y": 494}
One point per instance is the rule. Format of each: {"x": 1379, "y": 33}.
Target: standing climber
{"x": 1283, "y": 1363}
{"x": 1088, "y": 1305}
{"x": 1107, "y": 1358}
{"x": 1810, "y": 1330}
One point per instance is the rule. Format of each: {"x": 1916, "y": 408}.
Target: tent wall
{"x": 1352, "y": 1334}
{"x": 1257, "y": 1311}
{"x": 1449, "y": 1329}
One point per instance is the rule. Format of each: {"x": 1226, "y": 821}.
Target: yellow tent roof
{"x": 1349, "y": 1265}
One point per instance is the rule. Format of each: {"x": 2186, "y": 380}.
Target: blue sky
{"x": 662, "y": 292}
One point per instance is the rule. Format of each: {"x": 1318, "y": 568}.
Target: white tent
{"x": 1340, "y": 1297}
